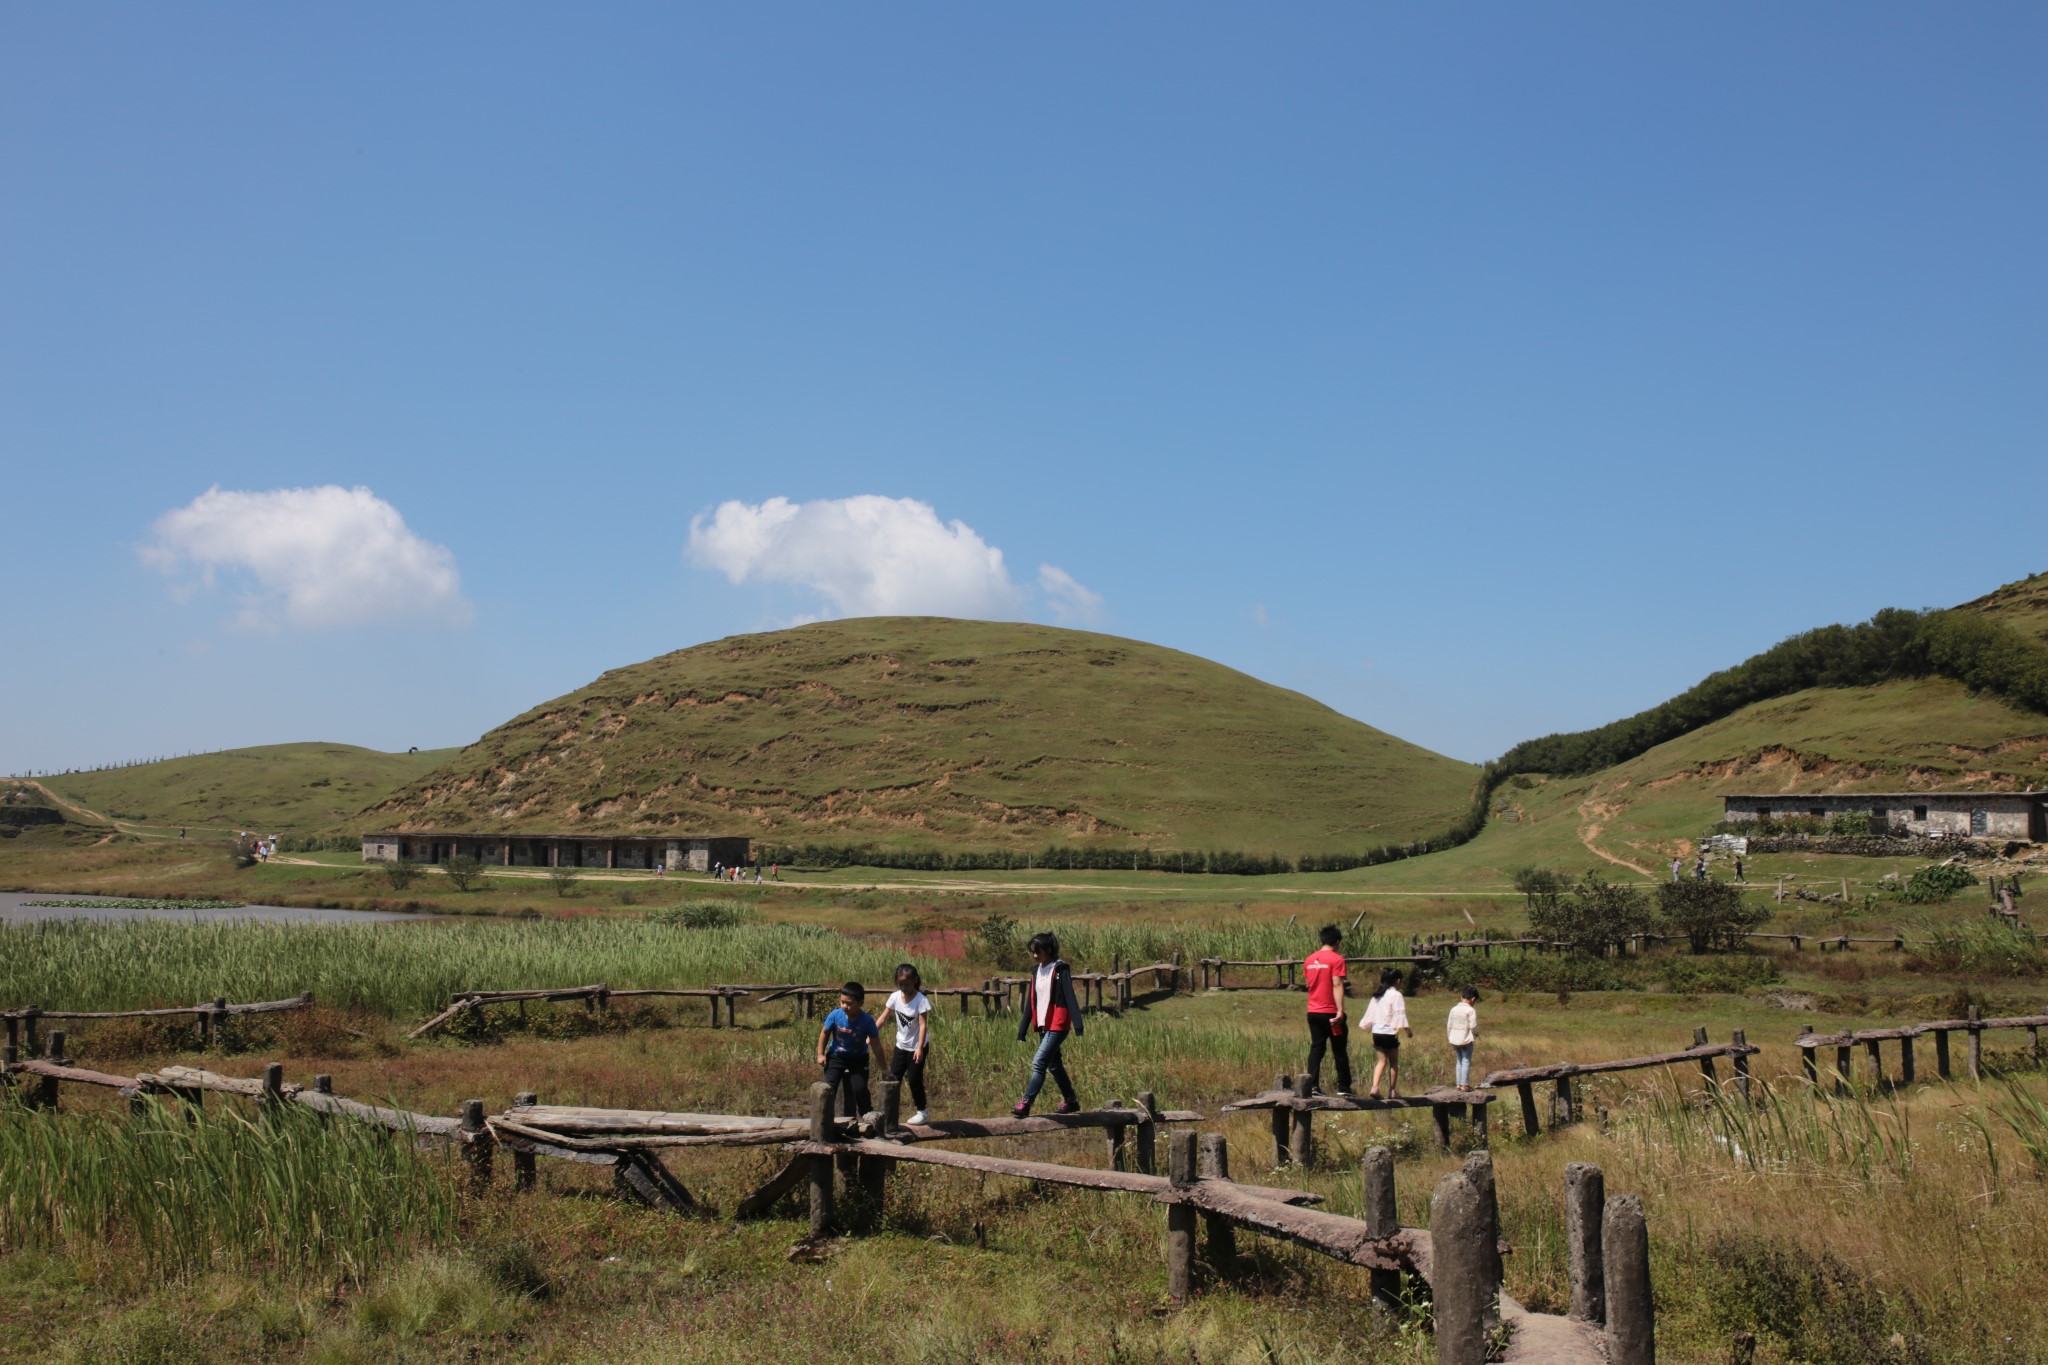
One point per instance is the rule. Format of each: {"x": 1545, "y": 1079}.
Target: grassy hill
{"x": 2022, "y": 605}
{"x": 272, "y": 787}
{"x": 923, "y": 731}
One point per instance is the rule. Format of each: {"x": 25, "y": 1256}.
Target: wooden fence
{"x": 1873, "y": 1040}
{"x": 1565, "y": 1105}
{"x": 210, "y": 1016}
{"x": 1294, "y": 1106}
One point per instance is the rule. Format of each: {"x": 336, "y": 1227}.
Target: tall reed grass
{"x": 285, "y": 1194}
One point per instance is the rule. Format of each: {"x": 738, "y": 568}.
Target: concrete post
{"x": 1585, "y": 1204}
{"x": 1464, "y": 1289}
{"x": 1214, "y": 1164}
{"x": 1631, "y": 1321}
{"x": 1180, "y": 1218}
{"x": 1376, "y": 1172}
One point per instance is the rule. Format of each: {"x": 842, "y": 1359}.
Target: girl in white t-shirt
{"x": 1387, "y": 1019}
{"x": 912, "y": 1011}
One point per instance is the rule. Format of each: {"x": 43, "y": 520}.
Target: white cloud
{"x": 1072, "y": 604}
{"x": 875, "y": 556}
{"x": 311, "y": 557}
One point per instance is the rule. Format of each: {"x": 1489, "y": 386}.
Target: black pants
{"x": 1338, "y": 1040}
{"x": 848, "y": 1077}
{"x": 905, "y": 1066}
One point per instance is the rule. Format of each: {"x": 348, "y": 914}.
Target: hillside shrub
{"x": 563, "y": 879}
{"x": 401, "y": 873}
{"x": 1709, "y": 914}
{"x": 703, "y": 915}
{"x": 1544, "y": 973}
{"x": 1936, "y": 882}
{"x": 1594, "y": 916}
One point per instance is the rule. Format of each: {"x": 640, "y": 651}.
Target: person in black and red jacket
{"x": 1050, "y": 1007}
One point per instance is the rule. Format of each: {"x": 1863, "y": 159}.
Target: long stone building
{"x": 676, "y": 854}
{"x": 1992, "y": 815}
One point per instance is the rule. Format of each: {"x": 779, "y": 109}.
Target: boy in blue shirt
{"x": 845, "y": 1042}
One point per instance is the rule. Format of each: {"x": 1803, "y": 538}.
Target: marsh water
{"x": 15, "y": 909}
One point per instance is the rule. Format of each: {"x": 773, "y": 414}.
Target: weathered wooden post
{"x": 476, "y": 1146}
{"x": 1585, "y": 1204}
{"x": 1302, "y": 1144}
{"x": 1116, "y": 1134}
{"x": 1843, "y": 1082}
{"x": 1707, "y": 1070}
{"x": 1741, "y": 1040}
{"x": 1525, "y": 1091}
{"x": 323, "y": 1084}
{"x": 1376, "y": 1172}
{"x": 1283, "y": 1123}
{"x": 1806, "y": 1058}
{"x": 1874, "y": 1050}
{"x": 1631, "y": 1321}
{"x": 524, "y": 1174}
{"x": 874, "y": 1170}
{"x": 712, "y": 1000}
{"x": 1441, "y": 1115}
{"x": 732, "y": 1007}
{"x": 270, "y": 1104}
{"x": 823, "y": 1129}
{"x": 1976, "y": 1044}
{"x": 1906, "y": 1057}
{"x": 1220, "y": 1232}
{"x": 53, "y": 1051}
{"x": 1148, "y": 1132}
{"x": 1180, "y": 1218}
{"x": 1462, "y": 1282}
{"x": 1941, "y": 1053}
{"x": 1564, "y": 1107}
{"x": 9, "y": 1056}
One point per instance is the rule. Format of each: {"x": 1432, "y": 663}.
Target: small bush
{"x": 1710, "y": 914}
{"x": 997, "y": 938}
{"x": 1733, "y": 975}
{"x": 1594, "y": 915}
{"x": 1544, "y": 972}
{"x": 464, "y": 873}
{"x": 1936, "y": 882}
{"x": 401, "y": 873}
{"x": 702, "y": 915}
{"x": 563, "y": 879}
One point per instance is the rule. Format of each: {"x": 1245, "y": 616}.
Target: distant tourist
{"x": 912, "y": 1011}
{"x": 1463, "y": 1028}
{"x": 1324, "y": 972}
{"x": 718, "y": 872}
{"x": 845, "y": 1041}
{"x": 1699, "y": 869}
{"x": 775, "y": 872}
{"x": 1738, "y": 868}
{"x": 1387, "y": 1019}
{"x": 1676, "y": 864}
{"x": 1050, "y": 1007}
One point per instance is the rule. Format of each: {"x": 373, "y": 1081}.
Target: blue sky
{"x": 1482, "y": 370}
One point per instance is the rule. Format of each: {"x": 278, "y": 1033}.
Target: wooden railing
{"x": 28, "y": 1018}
{"x": 1872, "y": 1040}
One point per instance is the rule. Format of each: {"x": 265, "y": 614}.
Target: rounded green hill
{"x": 924, "y": 731}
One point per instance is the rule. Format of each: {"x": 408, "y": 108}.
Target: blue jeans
{"x": 1047, "y": 1059}
{"x": 1463, "y": 1051}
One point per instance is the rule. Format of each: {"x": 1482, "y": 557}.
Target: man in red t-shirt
{"x": 1324, "y": 973}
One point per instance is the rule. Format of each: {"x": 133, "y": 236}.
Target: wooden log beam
{"x": 1517, "y": 1075}
{"x": 767, "y": 1196}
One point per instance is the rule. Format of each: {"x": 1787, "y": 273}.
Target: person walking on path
{"x": 845, "y": 1041}
{"x": 912, "y": 1011}
{"x": 1387, "y": 1019}
{"x": 1324, "y": 972}
{"x": 1676, "y": 863}
{"x": 1050, "y": 1007}
{"x": 1463, "y": 1029}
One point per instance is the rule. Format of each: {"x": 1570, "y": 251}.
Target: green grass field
{"x": 272, "y": 788}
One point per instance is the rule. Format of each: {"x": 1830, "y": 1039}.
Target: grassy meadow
{"x": 1887, "y": 1227}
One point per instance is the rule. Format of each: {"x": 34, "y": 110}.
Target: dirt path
{"x": 1594, "y": 812}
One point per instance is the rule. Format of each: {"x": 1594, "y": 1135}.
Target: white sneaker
{"x": 920, "y": 1117}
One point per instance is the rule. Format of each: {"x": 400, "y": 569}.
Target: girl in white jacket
{"x": 1463, "y": 1028}
{"x": 1387, "y": 1019}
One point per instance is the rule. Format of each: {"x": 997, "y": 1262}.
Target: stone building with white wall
{"x": 688, "y": 853}
{"x": 1990, "y": 815}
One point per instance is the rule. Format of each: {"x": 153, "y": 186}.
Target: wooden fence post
{"x": 1806, "y": 1058}
{"x": 1740, "y": 1039}
{"x": 1875, "y": 1051}
{"x": 1976, "y": 1045}
{"x": 1148, "y": 1132}
{"x": 1462, "y": 1282}
{"x": 1941, "y": 1053}
{"x": 9, "y": 1055}
{"x": 1283, "y": 1123}
{"x": 476, "y": 1146}
{"x": 1524, "y": 1090}
{"x": 874, "y": 1170}
{"x": 53, "y": 1051}
{"x": 1585, "y": 1203}
{"x": 217, "y": 1019}
{"x": 1376, "y": 1172}
{"x": 1219, "y": 1231}
{"x": 822, "y": 1130}
{"x": 1843, "y": 1053}
{"x": 323, "y": 1084}
{"x": 270, "y": 1104}
{"x": 1564, "y": 1108}
{"x": 1707, "y": 1071}
{"x": 1302, "y": 1143}
{"x": 1625, "y": 1243}
{"x": 523, "y": 1173}
{"x": 1180, "y": 1218}
{"x": 1906, "y": 1060}
{"x": 1116, "y": 1135}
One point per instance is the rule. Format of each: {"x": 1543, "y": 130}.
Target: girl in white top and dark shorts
{"x": 1387, "y": 1019}
{"x": 912, "y": 1011}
